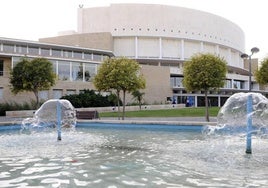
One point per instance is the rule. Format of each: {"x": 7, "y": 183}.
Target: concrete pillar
{"x": 201, "y": 47}
{"x": 136, "y": 47}
{"x": 160, "y": 47}
{"x": 182, "y": 49}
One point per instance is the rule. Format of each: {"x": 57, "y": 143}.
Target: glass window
{"x": 57, "y": 93}
{"x": 87, "y": 56}
{"x": 90, "y": 72}
{"x": 8, "y": 48}
{"x": 97, "y": 57}
{"x": 182, "y": 99}
{"x": 228, "y": 84}
{"x": 56, "y": 53}
{"x": 77, "y": 71}
{"x": 179, "y": 82}
{"x": 242, "y": 84}
{"x": 64, "y": 70}
{"x": 21, "y": 49}
{"x": 55, "y": 65}
{"x": 77, "y": 55}
{"x": 176, "y": 81}
{"x": 67, "y": 54}
{"x": 1, "y": 67}
{"x": 45, "y": 51}
{"x": 172, "y": 81}
{"x": 33, "y": 50}
{"x": 238, "y": 84}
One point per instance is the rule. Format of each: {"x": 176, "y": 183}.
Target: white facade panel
{"x": 148, "y": 47}
{"x": 124, "y": 46}
{"x": 209, "y": 48}
{"x": 191, "y": 48}
{"x": 236, "y": 59}
{"x": 224, "y": 53}
{"x": 171, "y": 48}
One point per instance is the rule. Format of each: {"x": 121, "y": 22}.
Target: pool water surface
{"x": 129, "y": 156}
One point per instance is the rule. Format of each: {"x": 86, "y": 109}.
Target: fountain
{"x": 234, "y": 111}
{"x": 128, "y": 155}
{"x": 244, "y": 113}
{"x": 54, "y": 113}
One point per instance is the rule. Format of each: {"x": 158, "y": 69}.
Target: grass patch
{"x": 182, "y": 112}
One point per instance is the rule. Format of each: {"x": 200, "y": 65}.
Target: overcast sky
{"x": 34, "y": 19}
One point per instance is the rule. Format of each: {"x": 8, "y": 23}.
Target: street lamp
{"x": 245, "y": 56}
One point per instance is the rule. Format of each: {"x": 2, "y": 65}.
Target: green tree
{"x": 261, "y": 74}
{"x": 204, "y": 72}
{"x": 32, "y": 75}
{"x": 122, "y": 75}
{"x": 138, "y": 96}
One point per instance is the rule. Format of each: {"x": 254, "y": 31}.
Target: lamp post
{"x": 246, "y": 56}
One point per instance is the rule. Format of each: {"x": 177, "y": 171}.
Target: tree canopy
{"x": 204, "y": 72}
{"x": 120, "y": 74}
{"x": 32, "y": 75}
{"x": 261, "y": 75}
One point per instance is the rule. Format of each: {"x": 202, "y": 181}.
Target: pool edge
{"x": 186, "y": 123}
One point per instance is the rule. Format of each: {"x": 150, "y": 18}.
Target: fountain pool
{"x": 120, "y": 155}
{"x": 137, "y": 155}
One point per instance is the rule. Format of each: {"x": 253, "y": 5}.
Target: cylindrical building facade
{"x": 143, "y": 31}
{"x": 166, "y": 36}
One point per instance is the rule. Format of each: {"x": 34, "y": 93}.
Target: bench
{"x": 87, "y": 114}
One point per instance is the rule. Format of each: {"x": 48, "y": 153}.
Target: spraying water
{"x": 234, "y": 112}
{"x": 53, "y": 113}
{"x": 245, "y": 114}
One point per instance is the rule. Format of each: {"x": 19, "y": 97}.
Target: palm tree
{"x": 138, "y": 96}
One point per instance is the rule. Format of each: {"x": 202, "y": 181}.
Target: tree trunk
{"x": 118, "y": 104}
{"x": 37, "y": 99}
{"x": 124, "y": 104}
{"x": 206, "y": 102}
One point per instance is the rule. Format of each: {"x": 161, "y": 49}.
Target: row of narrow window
{"x": 46, "y": 52}
{"x": 179, "y": 31}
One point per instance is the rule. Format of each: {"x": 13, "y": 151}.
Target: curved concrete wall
{"x": 160, "y": 31}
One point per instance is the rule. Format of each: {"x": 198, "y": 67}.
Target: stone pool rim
{"x": 138, "y": 122}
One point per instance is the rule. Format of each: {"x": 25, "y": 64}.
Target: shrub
{"x": 12, "y": 106}
{"x": 89, "y": 98}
